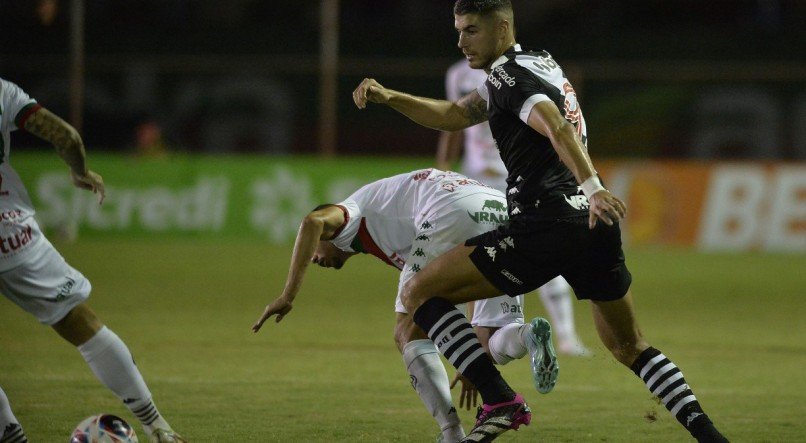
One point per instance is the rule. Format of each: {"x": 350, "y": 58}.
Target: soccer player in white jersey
{"x": 481, "y": 161}
{"x": 34, "y": 275}
{"x": 408, "y": 220}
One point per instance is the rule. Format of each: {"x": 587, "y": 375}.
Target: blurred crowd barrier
{"x": 712, "y": 206}
{"x": 271, "y": 104}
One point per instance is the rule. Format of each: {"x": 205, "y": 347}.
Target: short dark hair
{"x": 481, "y": 7}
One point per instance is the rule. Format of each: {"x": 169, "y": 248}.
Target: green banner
{"x": 202, "y": 196}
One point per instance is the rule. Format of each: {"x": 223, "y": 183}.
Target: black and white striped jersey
{"x": 536, "y": 177}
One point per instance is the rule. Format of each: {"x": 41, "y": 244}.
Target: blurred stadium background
{"x": 217, "y": 125}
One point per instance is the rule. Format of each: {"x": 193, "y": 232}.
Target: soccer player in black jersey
{"x": 562, "y": 221}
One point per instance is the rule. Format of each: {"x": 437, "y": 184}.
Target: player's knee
{"x": 410, "y": 295}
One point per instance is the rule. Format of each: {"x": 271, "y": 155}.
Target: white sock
{"x": 508, "y": 343}
{"x": 113, "y": 364}
{"x": 556, "y": 297}
{"x": 10, "y": 429}
{"x": 430, "y": 380}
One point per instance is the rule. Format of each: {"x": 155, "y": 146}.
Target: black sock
{"x": 666, "y": 382}
{"x": 455, "y": 339}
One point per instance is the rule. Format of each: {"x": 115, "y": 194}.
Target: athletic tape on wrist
{"x": 591, "y": 186}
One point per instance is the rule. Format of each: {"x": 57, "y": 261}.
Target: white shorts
{"x": 444, "y": 229}
{"x": 45, "y": 285}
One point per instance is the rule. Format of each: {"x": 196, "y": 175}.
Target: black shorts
{"x": 524, "y": 254}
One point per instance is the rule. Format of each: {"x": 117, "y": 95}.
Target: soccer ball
{"x": 103, "y": 428}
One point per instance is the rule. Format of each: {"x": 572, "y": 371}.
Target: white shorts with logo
{"x": 44, "y": 284}
{"x": 449, "y": 226}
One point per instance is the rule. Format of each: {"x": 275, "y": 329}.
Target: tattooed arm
{"x": 48, "y": 126}
{"x": 437, "y": 114}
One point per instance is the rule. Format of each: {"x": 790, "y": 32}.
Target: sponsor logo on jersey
{"x": 10, "y": 215}
{"x": 498, "y": 76}
{"x": 511, "y": 277}
{"x": 16, "y": 241}
{"x": 494, "y": 205}
{"x": 488, "y": 217}
{"x": 422, "y": 175}
{"x": 513, "y": 308}
{"x": 578, "y": 202}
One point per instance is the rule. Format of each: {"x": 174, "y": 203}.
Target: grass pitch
{"x": 330, "y": 371}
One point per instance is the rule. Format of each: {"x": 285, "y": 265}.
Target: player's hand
{"x": 468, "y": 393}
{"x": 606, "y": 207}
{"x": 279, "y": 307}
{"x": 370, "y": 91}
{"x": 91, "y": 182}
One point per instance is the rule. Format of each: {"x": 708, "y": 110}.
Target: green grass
{"x": 330, "y": 371}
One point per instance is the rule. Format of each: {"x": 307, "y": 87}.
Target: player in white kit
{"x": 481, "y": 161}
{"x": 34, "y": 275}
{"x": 408, "y": 220}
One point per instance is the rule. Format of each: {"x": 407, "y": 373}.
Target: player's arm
{"x": 546, "y": 119}
{"x": 449, "y": 147}
{"x": 320, "y": 224}
{"x": 432, "y": 113}
{"x": 49, "y": 127}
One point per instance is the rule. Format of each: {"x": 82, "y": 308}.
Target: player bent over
{"x": 36, "y": 277}
{"x": 408, "y": 220}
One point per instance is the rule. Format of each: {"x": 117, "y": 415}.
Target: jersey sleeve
{"x": 520, "y": 90}
{"x": 17, "y": 106}
{"x": 347, "y": 232}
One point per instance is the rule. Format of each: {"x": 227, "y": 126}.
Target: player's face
{"x": 329, "y": 256}
{"x": 478, "y": 39}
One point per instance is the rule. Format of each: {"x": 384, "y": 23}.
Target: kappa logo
{"x": 415, "y": 267}
{"x": 513, "y": 191}
{"x": 578, "y": 202}
{"x": 509, "y": 241}
{"x": 413, "y": 381}
{"x": 491, "y": 252}
{"x": 691, "y": 418}
{"x": 511, "y": 277}
{"x": 423, "y": 238}
{"x": 419, "y": 253}
{"x": 516, "y": 210}
{"x": 426, "y": 225}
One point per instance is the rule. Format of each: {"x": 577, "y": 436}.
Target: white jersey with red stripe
{"x": 384, "y": 217}
{"x": 481, "y": 159}
{"x": 19, "y": 231}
